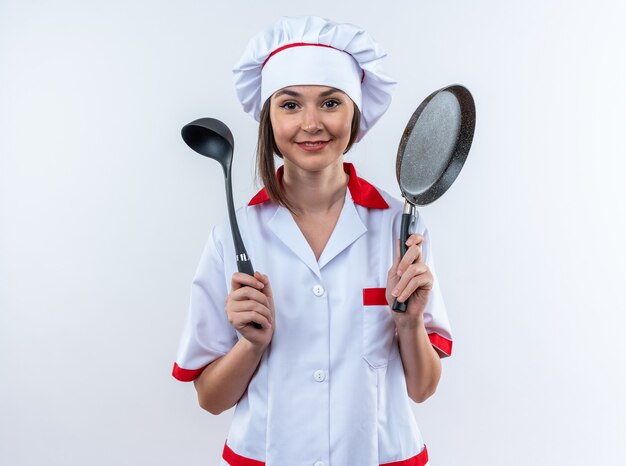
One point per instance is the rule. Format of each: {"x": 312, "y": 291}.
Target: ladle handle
{"x": 244, "y": 264}
{"x": 407, "y": 218}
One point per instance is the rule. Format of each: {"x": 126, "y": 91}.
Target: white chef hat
{"x": 309, "y": 50}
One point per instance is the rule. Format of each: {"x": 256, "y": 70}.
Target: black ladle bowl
{"x": 213, "y": 139}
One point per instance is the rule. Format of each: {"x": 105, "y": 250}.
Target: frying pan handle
{"x": 407, "y": 218}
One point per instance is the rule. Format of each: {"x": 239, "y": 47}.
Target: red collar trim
{"x": 362, "y": 192}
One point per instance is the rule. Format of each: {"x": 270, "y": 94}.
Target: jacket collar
{"x": 362, "y": 192}
{"x": 348, "y": 229}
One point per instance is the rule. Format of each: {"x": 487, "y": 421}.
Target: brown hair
{"x": 266, "y": 148}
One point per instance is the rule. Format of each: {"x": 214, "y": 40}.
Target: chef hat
{"x": 309, "y": 50}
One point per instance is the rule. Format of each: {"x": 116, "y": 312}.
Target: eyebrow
{"x": 330, "y": 91}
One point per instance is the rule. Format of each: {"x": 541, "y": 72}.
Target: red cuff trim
{"x": 186, "y": 375}
{"x": 234, "y": 459}
{"x": 418, "y": 460}
{"x": 374, "y": 297}
{"x": 440, "y": 343}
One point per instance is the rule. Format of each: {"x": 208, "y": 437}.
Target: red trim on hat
{"x": 363, "y": 193}
{"x": 298, "y": 44}
{"x": 304, "y": 44}
{"x": 233, "y": 459}
{"x": 442, "y": 344}
{"x": 418, "y": 460}
{"x": 374, "y": 297}
{"x": 186, "y": 375}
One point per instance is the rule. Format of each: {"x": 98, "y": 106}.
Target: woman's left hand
{"x": 410, "y": 280}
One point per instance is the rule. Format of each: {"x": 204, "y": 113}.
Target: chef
{"x": 328, "y": 378}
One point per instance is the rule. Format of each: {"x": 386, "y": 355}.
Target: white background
{"x": 104, "y": 212}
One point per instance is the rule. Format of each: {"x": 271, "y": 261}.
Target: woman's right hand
{"x": 250, "y": 300}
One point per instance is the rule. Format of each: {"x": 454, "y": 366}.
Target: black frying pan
{"x": 432, "y": 151}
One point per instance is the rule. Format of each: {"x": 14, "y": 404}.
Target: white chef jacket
{"x": 330, "y": 389}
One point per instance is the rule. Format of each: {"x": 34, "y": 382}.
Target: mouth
{"x": 312, "y": 146}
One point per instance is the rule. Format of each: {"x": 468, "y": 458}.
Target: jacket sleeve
{"x": 207, "y": 334}
{"x": 435, "y": 315}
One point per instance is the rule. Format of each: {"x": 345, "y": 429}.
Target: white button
{"x": 319, "y": 463}
{"x": 318, "y": 290}
{"x": 319, "y": 376}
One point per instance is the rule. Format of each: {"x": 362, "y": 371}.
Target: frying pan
{"x": 432, "y": 151}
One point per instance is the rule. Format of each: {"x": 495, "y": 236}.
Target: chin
{"x": 315, "y": 162}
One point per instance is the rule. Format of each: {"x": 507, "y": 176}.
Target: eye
{"x": 289, "y": 106}
{"x": 331, "y": 103}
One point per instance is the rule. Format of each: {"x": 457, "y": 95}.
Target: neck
{"x": 315, "y": 192}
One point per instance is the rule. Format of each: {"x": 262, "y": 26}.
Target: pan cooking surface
{"x": 431, "y": 144}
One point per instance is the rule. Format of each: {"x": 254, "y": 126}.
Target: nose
{"x": 311, "y": 121}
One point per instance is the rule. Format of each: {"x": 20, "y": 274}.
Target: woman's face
{"x": 311, "y": 124}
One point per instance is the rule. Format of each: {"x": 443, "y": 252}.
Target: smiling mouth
{"x": 312, "y": 145}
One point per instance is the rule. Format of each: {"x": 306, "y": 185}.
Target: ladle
{"x": 213, "y": 139}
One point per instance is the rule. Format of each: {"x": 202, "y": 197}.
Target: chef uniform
{"x": 330, "y": 389}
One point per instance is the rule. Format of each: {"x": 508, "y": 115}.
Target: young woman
{"x": 328, "y": 378}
